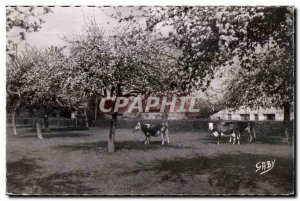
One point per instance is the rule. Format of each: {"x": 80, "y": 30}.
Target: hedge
{"x": 263, "y": 128}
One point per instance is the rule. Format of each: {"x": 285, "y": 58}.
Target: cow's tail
{"x": 254, "y": 133}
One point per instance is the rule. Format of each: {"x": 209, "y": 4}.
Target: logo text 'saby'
{"x": 264, "y": 166}
{"x": 140, "y": 104}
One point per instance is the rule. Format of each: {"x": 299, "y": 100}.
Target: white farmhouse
{"x": 245, "y": 113}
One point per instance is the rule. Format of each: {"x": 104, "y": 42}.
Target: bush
{"x": 272, "y": 128}
{"x": 263, "y": 128}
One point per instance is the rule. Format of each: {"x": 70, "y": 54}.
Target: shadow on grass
{"x": 227, "y": 173}
{"x": 74, "y": 183}
{"x": 224, "y": 140}
{"x": 59, "y": 129}
{"x": 23, "y": 177}
{"x": 122, "y": 145}
{"x": 56, "y": 135}
{"x": 19, "y": 173}
{"x": 210, "y": 139}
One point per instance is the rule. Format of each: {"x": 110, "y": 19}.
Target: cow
{"x": 232, "y": 130}
{"x": 250, "y": 131}
{"x": 154, "y": 131}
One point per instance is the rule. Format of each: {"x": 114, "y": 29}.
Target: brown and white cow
{"x": 150, "y": 130}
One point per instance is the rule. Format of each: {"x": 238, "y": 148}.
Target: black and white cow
{"x": 154, "y": 131}
{"x": 232, "y": 130}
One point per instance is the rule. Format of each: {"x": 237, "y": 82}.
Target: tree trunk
{"x": 13, "y": 114}
{"x": 32, "y": 122}
{"x": 46, "y": 122}
{"x": 13, "y": 122}
{"x": 86, "y": 118}
{"x": 111, "y": 136}
{"x": 38, "y": 130}
{"x": 96, "y": 108}
{"x": 112, "y": 132}
{"x": 286, "y": 120}
{"x": 13, "y": 118}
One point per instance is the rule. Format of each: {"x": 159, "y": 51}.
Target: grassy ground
{"x": 76, "y": 162}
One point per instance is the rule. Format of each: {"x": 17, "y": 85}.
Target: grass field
{"x": 77, "y": 162}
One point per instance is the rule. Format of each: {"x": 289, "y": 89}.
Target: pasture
{"x": 77, "y": 162}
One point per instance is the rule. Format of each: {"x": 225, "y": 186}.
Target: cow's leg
{"x": 148, "y": 139}
{"x": 163, "y": 138}
{"x": 230, "y": 138}
{"x": 249, "y": 136}
{"x": 166, "y": 133}
{"x": 239, "y": 138}
{"x": 218, "y": 138}
{"x": 234, "y": 138}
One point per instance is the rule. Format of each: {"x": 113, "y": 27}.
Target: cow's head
{"x": 210, "y": 126}
{"x": 137, "y": 127}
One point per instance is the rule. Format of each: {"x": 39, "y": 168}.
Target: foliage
{"x": 36, "y": 74}
{"x": 162, "y": 50}
{"x": 265, "y": 75}
{"x": 212, "y": 37}
{"x": 269, "y": 83}
{"x": 127, "y": 63}
{"x": 22, "y": 20}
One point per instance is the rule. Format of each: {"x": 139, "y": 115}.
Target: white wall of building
{"x": 261, "y": 114}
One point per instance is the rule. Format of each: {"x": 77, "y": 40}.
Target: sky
{"x": 67, "y": 21}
